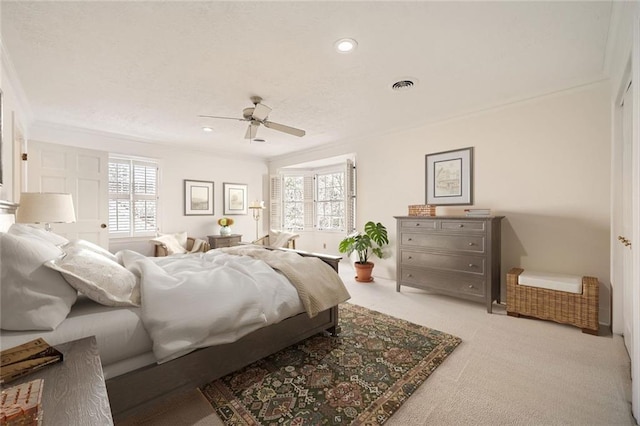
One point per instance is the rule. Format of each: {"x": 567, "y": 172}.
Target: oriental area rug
{"x": 360, "y": 377}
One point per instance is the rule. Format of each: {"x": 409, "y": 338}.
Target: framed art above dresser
{"x": 453, "y": 255}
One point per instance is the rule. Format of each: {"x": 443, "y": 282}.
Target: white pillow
{"x": 84, "y": 244}
{"x": 172, "y": 243}
{"x": 32, "y": 296}
{"x": 24, "y": 230}
{"x": 102, "y": 280}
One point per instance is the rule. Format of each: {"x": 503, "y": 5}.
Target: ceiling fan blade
{"x": 252, "y": 130}
{"x": 260, "y": 112}
{"x": 224, "y": 118}
{"x": 282, "y": 128}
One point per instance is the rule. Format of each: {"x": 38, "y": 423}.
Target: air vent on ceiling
{"x": 404, "y": 84}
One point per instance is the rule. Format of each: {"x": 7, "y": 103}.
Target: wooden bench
{"x": 579, "y": 309}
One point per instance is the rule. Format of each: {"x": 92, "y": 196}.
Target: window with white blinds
{"x": 133, "y": 197}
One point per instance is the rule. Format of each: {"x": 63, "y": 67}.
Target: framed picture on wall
{"x": 235, "y": 198}
{"x": 449, "y": 177}
{"x": 198, "y": 197}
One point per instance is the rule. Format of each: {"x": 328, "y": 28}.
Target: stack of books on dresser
{"x": 477, "y": 212}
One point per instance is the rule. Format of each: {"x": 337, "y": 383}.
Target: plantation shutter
{"x": 350, "y": 196}
{"x": 309, "y": 213}
{"x": 133, "y": 197}
{"x": 145, "y": 179}
{"x": 275, "y": 202}
{"x": 119, "y": 196}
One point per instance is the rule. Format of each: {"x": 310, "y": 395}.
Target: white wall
{"x": 544, "y": 164}
{"x": 176, "y": 165}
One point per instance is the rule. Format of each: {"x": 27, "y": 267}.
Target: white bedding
{"x": 119, "y": 331}
{"x": 189, "y": 301}
{"x": 196, "y": 300}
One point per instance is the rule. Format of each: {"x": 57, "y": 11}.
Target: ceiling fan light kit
{"x": 258, "y": 115}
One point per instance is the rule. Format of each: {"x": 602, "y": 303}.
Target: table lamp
{"x": 45, "y": 207}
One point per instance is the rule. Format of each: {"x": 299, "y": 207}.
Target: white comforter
{"x": 197, "y": 300}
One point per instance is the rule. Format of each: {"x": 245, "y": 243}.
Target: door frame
{"x": 635, "y": 356}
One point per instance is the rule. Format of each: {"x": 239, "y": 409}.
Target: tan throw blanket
{"x": 318, "y": 285}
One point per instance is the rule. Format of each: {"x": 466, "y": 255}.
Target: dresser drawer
{"x": 452, "y": 283}
{"x": 463, "y": 226}
{"x": 419, "y": 224}
{"x": 468, "y": 243}
{"x": 469, "y": 264}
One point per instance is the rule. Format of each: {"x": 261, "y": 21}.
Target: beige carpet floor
{"x": 507, "y": 371}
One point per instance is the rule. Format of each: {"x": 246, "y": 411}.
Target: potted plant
{"x": 367, "y": 243}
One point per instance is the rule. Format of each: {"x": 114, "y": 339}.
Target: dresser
{"x": 454, "y": 255}
{"x": 219, "y": 241}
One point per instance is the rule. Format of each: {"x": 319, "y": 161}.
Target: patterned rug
{"x": 360, "y": 377}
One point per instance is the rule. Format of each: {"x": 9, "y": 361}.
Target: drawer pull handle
{"x": 410, "y": 257}
{"x": 460, "y": 226}
{"x": 409, "y": 239}
{"x": 470, "y": 285}
{"x": 471, "y": 265}
{"x": 417, "y": 224}
{"x": 471, "y": 244}
{"x": 409, "y": 276}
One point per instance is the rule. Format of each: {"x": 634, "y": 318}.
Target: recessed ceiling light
{"x": 345, "y": 45}
{"x": 207, "y": 129}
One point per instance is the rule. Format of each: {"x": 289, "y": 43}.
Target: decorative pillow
{"x": 84, "y": 244}
{"x": 24, "y": 230}
{"x": 102, "y": 280}
{"x": 172, "y": 243}
{"x": 32, "y": 296}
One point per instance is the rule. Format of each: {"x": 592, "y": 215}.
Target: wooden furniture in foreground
{"x": 161, "y": 250}
{"x": 454, "y": 255}
{"x": 139, "y": 389}
{"x": 74, "y": 391}
{"x": 579, "y": 309}
{"x": 220, "y": 241}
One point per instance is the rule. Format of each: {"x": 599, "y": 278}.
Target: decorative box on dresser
{"x": 454, "y": 255}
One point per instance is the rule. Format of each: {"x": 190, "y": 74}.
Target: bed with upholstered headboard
{"x": 140, "y": 365}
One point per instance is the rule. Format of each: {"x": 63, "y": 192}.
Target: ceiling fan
{"x": 258, "y": 115}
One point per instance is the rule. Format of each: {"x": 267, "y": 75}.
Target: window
{"x": 293, "y": 202}
{"x": 304, "y": 200}
{"x": 133, "y": 197}
{"x": 330, "y": 201}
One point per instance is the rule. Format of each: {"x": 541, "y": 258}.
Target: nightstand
{"x": 219, "y": 241}
{"x": 74, "y": 391}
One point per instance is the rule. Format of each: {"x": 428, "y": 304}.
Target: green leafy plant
{"x": 366, "y": 243}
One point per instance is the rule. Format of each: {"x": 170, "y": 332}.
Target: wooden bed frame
{"x": 134, "y": 391}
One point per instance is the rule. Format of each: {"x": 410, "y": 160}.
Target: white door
{"x": 81, "y": 172}
{"x": 627, "y": 220}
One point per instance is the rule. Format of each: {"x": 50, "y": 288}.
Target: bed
{"x": 127, "y": 342}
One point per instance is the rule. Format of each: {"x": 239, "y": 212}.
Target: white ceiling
{"x": 148, "y": 69}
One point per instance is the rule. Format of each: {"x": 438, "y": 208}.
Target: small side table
{"x": 219, "y": 241}
{"x": 74, "y": 392}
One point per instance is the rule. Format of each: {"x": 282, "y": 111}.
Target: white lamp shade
{"x": 45, "y": 207}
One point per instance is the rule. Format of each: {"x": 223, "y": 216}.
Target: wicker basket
{"x": 580, "y": 310}
{"x": 422, "y": 210}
